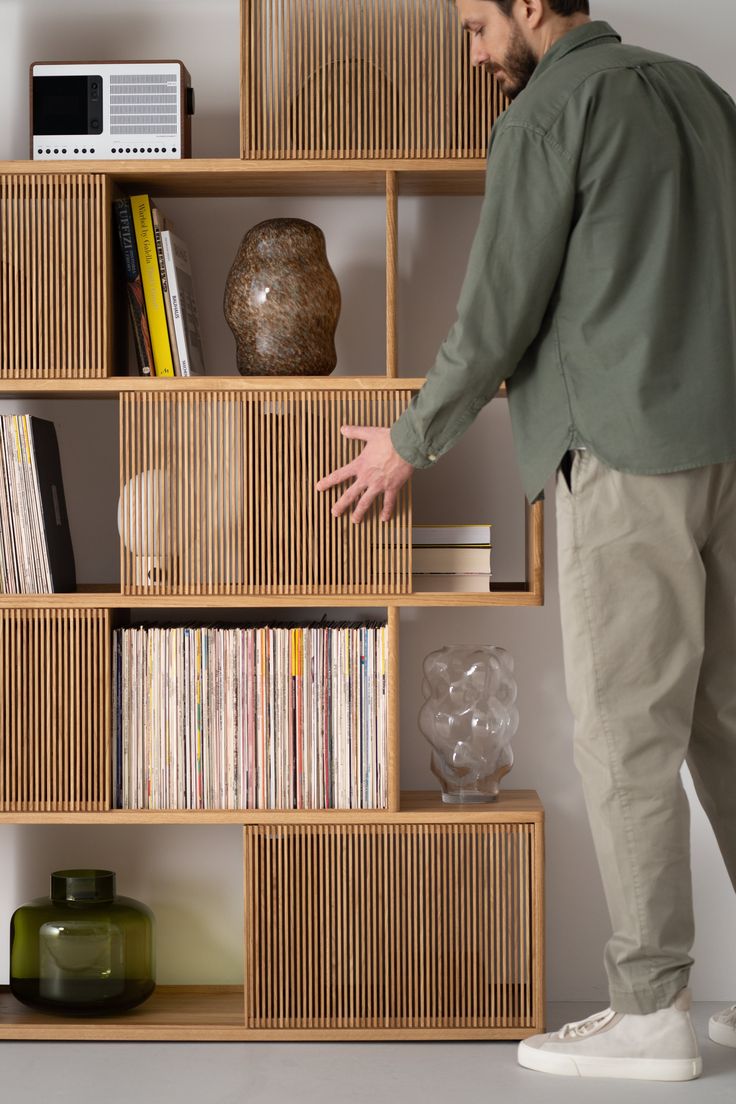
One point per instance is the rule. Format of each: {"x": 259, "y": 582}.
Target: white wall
{"x": 192, "y": 876}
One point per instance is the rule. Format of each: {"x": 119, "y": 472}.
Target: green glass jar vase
{"x": 83, "y": 950}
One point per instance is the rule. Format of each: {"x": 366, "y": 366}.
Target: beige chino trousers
{"x": 647, "y": 578}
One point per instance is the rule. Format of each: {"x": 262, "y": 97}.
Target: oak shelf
{"x": 208, "y": 1013}
{"x": 185, "y": 1013}
{"x": 416, "y": 807}
{"x": 228, "y": 177}
{"x": 505, "y": 594}
{"x": 110, "y": 387}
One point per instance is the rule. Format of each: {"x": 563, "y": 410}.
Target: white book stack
{"x": 451, "y": 557}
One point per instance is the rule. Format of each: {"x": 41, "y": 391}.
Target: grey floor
{"x": 316, "y": 1073}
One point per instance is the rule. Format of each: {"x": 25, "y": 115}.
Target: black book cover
{"x": 134, "y": 286}
{"x": 53, "y": 506}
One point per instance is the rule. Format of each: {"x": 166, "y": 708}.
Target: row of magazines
{"x": 257, "y": 717}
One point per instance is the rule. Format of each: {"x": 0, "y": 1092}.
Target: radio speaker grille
{"x": 144, "y": 103}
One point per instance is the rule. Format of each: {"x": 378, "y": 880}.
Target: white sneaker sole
{"x": 721, "y": 1033}
{"x": 643, "y": 1069}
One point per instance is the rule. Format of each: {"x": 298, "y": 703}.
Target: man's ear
{"x": 532, "y": 13}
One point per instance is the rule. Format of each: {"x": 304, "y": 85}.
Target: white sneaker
{"x": 722, "y": 1027}
{"x": 652, "y": 1046}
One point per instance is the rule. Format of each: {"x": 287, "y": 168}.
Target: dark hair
{"x": 559, "y": 7}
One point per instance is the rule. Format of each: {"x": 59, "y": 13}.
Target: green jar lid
{"x": 82, "y": 885}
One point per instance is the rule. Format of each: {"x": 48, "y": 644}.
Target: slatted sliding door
{"x": 218, "y": 495}
{"x": 361, "y": 78}
{"x": 55, "y": 276}
{"x": 392, "y": 925}
{"x": 54, "y": 710}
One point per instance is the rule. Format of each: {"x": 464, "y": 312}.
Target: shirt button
{"x": 431, "y": 456}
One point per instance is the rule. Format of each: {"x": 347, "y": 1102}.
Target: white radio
{"x": 110, "y": 110}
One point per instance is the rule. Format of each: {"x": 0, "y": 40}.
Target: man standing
{"x": 601, "y": 285}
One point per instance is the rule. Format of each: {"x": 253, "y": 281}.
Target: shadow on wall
{"x": 435, "y": 236}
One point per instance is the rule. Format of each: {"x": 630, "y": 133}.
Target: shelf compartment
{"x": 55, "y": 282}
{"x": 389, "y": 78}
{"x": 420, "y": 925}
{"x": 217, "y": 493}
{"x": 55, "y": 710}
{"x": 294, "y": 716}
{"x": 42, "y": 808}
{"x": 528, "y": 592}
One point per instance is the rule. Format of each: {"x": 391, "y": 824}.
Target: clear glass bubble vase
{"x": 469, "y": 718}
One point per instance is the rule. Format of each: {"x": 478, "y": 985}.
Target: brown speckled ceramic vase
{"x": 282, "y": 301}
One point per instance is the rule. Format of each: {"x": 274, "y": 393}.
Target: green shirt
{"x": 601, "y": 282}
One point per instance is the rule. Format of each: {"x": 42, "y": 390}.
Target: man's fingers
{"x": 364, "y": 496}
{"x": 389, "y": 502}
{"x": 349, "y": 496}
{"x": 364, "y": 505}
{"x": 363, "y": 433}
{"x": 339, "y": 475}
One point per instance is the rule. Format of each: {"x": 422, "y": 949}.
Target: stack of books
{"x": 158, "y": 275}
{"x": 261, "y": 717}
{"x": 36, "y": 555}
{"x": 451, "y": 557}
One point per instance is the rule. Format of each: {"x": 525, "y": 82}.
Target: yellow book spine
{"x": 151, "y": 279}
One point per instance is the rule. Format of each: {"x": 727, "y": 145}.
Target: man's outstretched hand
{"x": 377, "y": 470}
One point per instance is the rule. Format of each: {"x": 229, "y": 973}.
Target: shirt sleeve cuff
{"x": 409, "y": 444}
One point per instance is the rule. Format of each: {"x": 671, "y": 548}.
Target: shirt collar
{"x": 596, "y": 29}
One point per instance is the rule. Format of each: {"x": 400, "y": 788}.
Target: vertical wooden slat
{"x": 80, "y": 255}
{"x": 24, "y": 214}
{"x": 250, "y": 966}
{"x": 34, "y": 272}
{"x": 15, "y": 276}
{"x": 14, "y": 793}
{"x": 336, "y": 459}
{"x": 325, "y": 958}
{"x": 391, "y": 272}
{"x": 5, "y": 255}
{"x": 6, "y": 652}
{"x": 24, "y": 725}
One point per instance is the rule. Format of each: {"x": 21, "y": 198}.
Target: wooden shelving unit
{"x": 508, "y": 1010}
{"x": 421, "y": 920}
